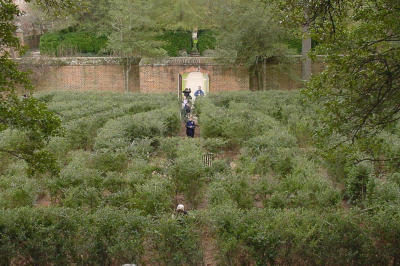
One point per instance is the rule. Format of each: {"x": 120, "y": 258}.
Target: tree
{"x": 26, "y": 114}
{"x": 133, "y": 32}
{"x": 249, "y": 33}
{"x": 184, "y": 15}
{"x": 359, "y": 91}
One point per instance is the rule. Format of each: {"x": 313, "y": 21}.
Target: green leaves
{"x": 26, "y": 114}
{"x": 133, "y": 30}
{"x": 249, "y": 31}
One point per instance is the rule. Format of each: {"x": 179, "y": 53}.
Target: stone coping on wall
{"x": 180, "y": 61}
{"x": 73, "y": 61}
{"x": 97, "y": 61}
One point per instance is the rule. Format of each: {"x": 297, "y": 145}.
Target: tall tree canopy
{"x": 249, "y": 30}
{"x": 183, "y": 14}
{"x": 360, "y": 89}
{"x": 133, "y": 29}
{"x": 25, "y": 114}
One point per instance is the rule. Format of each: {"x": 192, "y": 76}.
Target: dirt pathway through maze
{"x": 208, "y": 243}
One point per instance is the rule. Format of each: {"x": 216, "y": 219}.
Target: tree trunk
{"x": 306, "y": 61}
{"x": 264, "y": 73}
{"x": 127, "y": 70}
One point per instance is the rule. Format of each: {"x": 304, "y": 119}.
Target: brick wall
{"x": 151, "y": 76}
{"x": 287, "y": 76}
{"x": 81, "y": 74}
{"x": 156, "y": 78}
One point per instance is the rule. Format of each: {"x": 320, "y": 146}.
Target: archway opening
{"x": 197, "y": 82}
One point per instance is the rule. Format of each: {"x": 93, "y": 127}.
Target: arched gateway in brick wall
{"x": 171, "y": 75}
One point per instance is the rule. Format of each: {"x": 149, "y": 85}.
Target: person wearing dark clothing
{"x": 190, "y": 126}
{"x": 187, "y": 92}
{"x": 187, "y": 109}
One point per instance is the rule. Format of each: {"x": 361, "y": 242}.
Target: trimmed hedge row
{"x": 64, "y": 43}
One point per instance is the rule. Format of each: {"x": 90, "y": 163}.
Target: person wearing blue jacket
{"x": 190, "y": 126}
{"x": 199, "y": 92}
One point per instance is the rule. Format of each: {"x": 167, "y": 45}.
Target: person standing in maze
{"x": 190, "y": 127}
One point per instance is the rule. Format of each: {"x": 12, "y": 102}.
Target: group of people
{"x": 187, "y": 109}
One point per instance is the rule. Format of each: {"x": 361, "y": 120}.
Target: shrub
{"x": 154, "y": 196}
{"x": 266, "y": 236}
{"x": 270, "y": 140}
{"x": 79, "y": 134}
{"x": 225, "y": 220}
{"x": 234, "y": 186}
{"x": 106, "y": 161}
{"x": 214, "y": 144}
{"x": 236, "y": 123}
{"x": 142, "y": 148}
{"x": 303, "y": 187}
{"x": 87, "y": 197}
{"x": 176, "y": 41}
{"x": 206, "y": 40}
{"x": 152, "y": 124}
{"x": 169, "y": 147}
{"x": 177, "y": 241}
{"x": 188, "y": 171}
{"x": 59, "y": 146}
{"x": 64, "y": 43}
{"x": 275, "y": 161}
{"x": 75, "y": 174}
{"x": 357, "y": 181}
{"x": 103, "y": 237}
{"x": 17, "y": 191}
{"x": 218, "y": 166}
{"x": 120, "y": 199}
{"x": 385, "y": 226}
{"x": 217, "y": 194}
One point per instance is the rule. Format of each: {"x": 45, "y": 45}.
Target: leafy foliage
{"x": 179, "y": 40}
{"x": 249, "y": 32}
{"x": 272, "y": 197}
{"x": 69, "y": 42}
{"x": 25, "y": 114}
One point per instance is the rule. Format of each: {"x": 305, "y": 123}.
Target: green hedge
{"x": 176, "y": 41}
{"x": 206, "y": 40}
{"x": 69, "y": 42}
{"x": 63, "y": 236}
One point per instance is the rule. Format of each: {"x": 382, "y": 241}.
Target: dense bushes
{"x": 236, "y": 123}
{"x": 69, "y": 42}
{"x": 176, "y": 41}
{"x": 68, "y": 236}
{"x": 269, "y": 197}
{"x": 298, "y": 236}
{"x": 176, "y": 241}
{"x": 188, "y": 171}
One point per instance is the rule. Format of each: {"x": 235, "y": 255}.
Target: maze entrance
{"x": 194, "y": 81}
